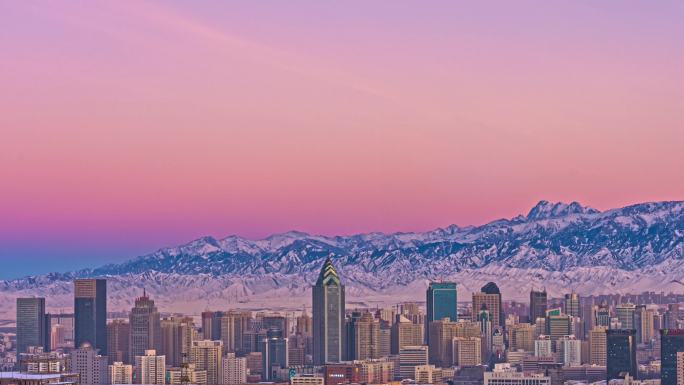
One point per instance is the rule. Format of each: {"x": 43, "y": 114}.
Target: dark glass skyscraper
{"x": 90, "y": 313}
{"x": 328, "y": 316}
{"x": 639, "y": 315}
{"x": 621, "y": 351}
{"x": 538, "y": 305}
{"x": 31, "y": 325}
{"x": 274, "y": 352}
{"x": 671, "y": 342}
{"x": 442, "y": 301}
{"x": 216, "y": 325}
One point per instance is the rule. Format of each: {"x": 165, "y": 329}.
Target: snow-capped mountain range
{"x": 558, "y": 246}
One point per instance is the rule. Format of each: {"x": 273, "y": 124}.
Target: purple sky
{"x": 128, "y": 126}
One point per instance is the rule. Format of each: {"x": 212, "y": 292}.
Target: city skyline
{"x": 572, "y": 341}
{"x": 249, "y": 119}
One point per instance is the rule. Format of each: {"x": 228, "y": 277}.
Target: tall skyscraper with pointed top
{"x": 328, "y": 316}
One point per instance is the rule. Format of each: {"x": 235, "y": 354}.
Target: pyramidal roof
{"x": 328, "y": 273}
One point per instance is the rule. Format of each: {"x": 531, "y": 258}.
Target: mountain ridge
{"x": 547, "y": 225}
{"x": 554, "y": 242}
{"x": 544, "y": 215}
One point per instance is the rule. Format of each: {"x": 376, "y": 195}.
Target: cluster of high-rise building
{"x": 480, "y": 340}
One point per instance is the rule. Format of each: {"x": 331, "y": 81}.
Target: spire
{"x": 328, "y": 273}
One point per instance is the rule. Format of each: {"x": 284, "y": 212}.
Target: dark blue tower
{"x": 441, "y": 303}
{"x": 90, "y": 313}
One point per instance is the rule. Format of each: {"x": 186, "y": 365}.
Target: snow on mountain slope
{"x": 557, "y": 245}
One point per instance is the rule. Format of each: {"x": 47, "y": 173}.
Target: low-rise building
{"x": 428, "y": 374}
{"x": 342, "y": 373}
{"x": 18, "y": 378}
{"x": 120, "y": 373}
{"x": 307, "y": 379}
{"x": 504, "y": 374}
{"x": 37, "y": 361}
{"x": 189, "y": 374}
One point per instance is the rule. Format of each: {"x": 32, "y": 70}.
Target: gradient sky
{"x": 128, "y": 126}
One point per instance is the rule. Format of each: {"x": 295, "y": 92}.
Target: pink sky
{"x": 127, "y": 126}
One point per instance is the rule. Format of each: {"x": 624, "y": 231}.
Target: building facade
{"x": 442, "y": 334}
{"x": 176, "y": 339}
{"x": 625, "y": 314}
{"x": 118, "y": 341}
{"x": 405, "y": 333}
{"x": 207, "y": 355}
{"x": 597, "y": 346}
{"x": 150, "y": 368}
{"x": 538, "y": 305}
{"x": 521, "y": 336}
{"x": 187, "y": 375}
{"x": 490, "y": 297}
{"x": 120, "y": 373}
{"x": 441, "y": 303}
{"x": 467, "y": 351}
{"x": 328, "y": 316}
{"x": 90, "y": 313}
{"x": 234, "y": 370}
{"x": 31, "y": 324}
{"x": 145, "y": 327}
{"x": 570, "y": 350}
{"x": 504, "y": 374}
{"x": 620, "y": 353}
{"x": 91, "y": 367}
{"x": 274, "y": 353}
{"x": 409, "y": 358}
{"x": 571, "y": 304}
{"x": 671, "y": 343}
{"x": 60, "y": 329}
